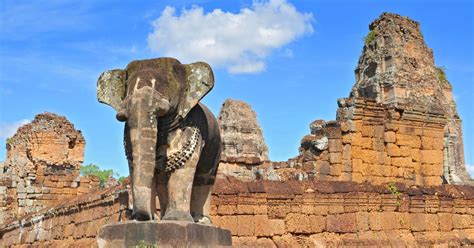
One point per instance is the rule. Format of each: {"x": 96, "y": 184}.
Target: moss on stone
{"x": 370, "y": 37}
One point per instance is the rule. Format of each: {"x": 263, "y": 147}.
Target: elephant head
{"x": 148, "y": 95}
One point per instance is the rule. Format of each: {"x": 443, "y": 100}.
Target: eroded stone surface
{"x": 397, "y": 68}
{"x": 269, "y": 213}
{"x": 42, "y": 166}
{"x": 162, "y": 233}
{"x": 172, "y": 141}
{"x": 242, "y": 137}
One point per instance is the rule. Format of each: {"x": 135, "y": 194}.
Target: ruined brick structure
{"x": 242, "y": 137}
{"x": 280, "y": 214}
{"x": 243, "y": 147}
{"x": 42, "y": 166}
{"x": 399, "y": 124}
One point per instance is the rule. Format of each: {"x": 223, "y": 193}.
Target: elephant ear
{"x": 111, "y": 88}
{"x": 199, "y": 81}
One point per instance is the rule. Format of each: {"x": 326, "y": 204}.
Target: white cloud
{"x": 239, "y": 42}
{"x": 470, "y": 169}
{"x": 7, "y": 130}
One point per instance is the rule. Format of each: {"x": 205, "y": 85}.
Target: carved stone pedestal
{"x": 162, "y": 233}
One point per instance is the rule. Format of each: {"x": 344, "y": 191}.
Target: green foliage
{"x": 121, "y": 179}
{"x": 441, "y": 73}
{"x": 143, "y": 244}
{"x": 393, "y": 189}
{"x": 94, "y": 170}
{"x": 9, "y": 141}
{"x": 370, "y": 37}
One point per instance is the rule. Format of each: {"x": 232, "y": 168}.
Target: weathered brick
{"x": 390, "y": 137}
{"x": 369, "y": 156}
{"x": 277, "y": 226}
{"x": 335, "y": 158}
{"x": 368, "y": 131}
{"x": 401, "y": 162}
{"x": 432, "y": 156}
{"x": 335, "y": 145}
{"x": 445, "y": 221}
{"x": 342, "y": 223}
{"x": 301, "y": 223}
{"x": 245, "y": 225}
{"x": 393, "y": 150}
{"x": 408, "y": 140}
{"x": 432, "y": 169}
{"x": 227, "y": 222}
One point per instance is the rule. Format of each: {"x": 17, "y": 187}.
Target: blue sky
{"x": 52, "y": 52}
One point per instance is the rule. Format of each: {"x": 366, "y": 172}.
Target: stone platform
{"x": 162, "y": 233}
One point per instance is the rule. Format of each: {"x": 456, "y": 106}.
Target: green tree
{"x": 94, "y": 170}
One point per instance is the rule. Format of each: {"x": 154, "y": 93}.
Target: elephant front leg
{"x": 180, "y": 185}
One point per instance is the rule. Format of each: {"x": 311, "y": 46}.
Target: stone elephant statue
{"x": 172, "y": 141}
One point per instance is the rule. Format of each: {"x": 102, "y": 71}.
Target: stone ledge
{"x": 162, "y": 233}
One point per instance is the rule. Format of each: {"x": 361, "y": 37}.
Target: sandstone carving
{"x": 172, "y": 141}
{"x": 242, "y": 137}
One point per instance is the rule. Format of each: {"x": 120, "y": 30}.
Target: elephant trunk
{"x": 143, "y": 111}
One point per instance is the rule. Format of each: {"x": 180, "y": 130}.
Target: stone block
{"x": 227, "y": 209}
{"x": 432, "y": 169}
{"x": 368, "y": 131}
{"x": 342, "y": 223}
{"x": 415, "y": 154}
{"x": 402, "y": 162}
{"x": 336, "y": 170}
{"x": 262, "y": 226}
{"x": 432, "y": 156}
{"x": 393, "y": 150}
{"x": 389, "y": 221}
{"x": 362, "y": 219}
{"x": 162, "y": 233}
{"x": 245, "y": 225}
{"x": 226, "y": 222}
{"x": 461, "y": 221}
{"x": 417, "y": 222}
{"x": 405, "y": 151}
{"x": 366, "y": 143}
{"x": 445, "y": 222}
{"x": 433, "y": 133}
{"x": 278, "y": 211}
{"x": 335, "y": 145}
{"x": 408, "y": 140}
{"x": 277, "y": 226}
{"x": 390, "y": 137}
{"x": 369, "y": 156}
{"x": 304, "y": 224}
{"x": 335, "y": 158}
{"x": 410, "y": 130}
{"x": 245, "y": 209}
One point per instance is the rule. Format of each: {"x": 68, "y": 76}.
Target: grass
{"x": 370, "y": 37}
{"x": 393, "y": 189}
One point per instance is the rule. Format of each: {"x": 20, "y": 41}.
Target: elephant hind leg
{"x": 201, "y": 203}
{"x": 162, "y": 192}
